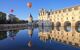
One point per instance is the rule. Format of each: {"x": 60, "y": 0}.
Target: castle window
{"x": 72, "y": 17}
{"x": 79, "y": 12}
{"x": 56, "y": 12}
{"x": 66, "y": 13}
{"x": 72, "y": 34}
{"x": 43, "y": 13}
{"x": 57, "y": 18}
{"x": 48, "y": 13}
{"x": 79, "y": 35}
{"x": 67, "y": 18}
{"x": 64, "y": 10}
{"x": 50, "y": 19}
{"x": 59, "y": 11}
{"x": 76, "y": 8}
{"x": 53, "y": 12}
{"x": 79, "y": 17}
{"x": 61, "y": 18}
{"x": 61, "y": 33}
{"x": 69, "y": 9}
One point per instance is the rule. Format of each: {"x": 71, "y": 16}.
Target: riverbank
{"x": 12, "y": 26}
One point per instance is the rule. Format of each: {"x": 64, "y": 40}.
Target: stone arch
{"x": 77, "y": 26}
{"x": 67, "y": 26}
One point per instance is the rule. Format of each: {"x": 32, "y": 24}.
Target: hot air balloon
{"x": 11, "y": 10}
{"x": 29, "y": 4}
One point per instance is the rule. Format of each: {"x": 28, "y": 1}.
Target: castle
{"x": 68, "y": 18}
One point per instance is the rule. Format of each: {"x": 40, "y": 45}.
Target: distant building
{"x": 11, "y": 17}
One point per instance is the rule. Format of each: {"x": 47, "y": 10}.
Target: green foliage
{"x": 2, "y": 17}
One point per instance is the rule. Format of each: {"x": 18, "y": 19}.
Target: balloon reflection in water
{"x": 30, "y": 43}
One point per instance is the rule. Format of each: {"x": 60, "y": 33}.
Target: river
{"x": 31, "y": 39}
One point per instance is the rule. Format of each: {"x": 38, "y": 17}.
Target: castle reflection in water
{"x": 49, "y": 33}
{"x": 46, "y": 33}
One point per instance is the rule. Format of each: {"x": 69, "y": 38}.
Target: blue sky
{"x": 21, "y": 10}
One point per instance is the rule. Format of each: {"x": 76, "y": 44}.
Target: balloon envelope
{"x": 29, "y": 4}
{"x": 11, "y": 10}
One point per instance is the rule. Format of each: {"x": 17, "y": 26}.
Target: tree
{"x": 2, "y": 18}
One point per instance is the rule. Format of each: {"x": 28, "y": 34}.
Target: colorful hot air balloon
{"x": 11, "y": 10}
{"x": 29, "y": 4}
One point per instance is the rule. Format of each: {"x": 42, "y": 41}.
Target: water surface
{"x": 31, "y": 39}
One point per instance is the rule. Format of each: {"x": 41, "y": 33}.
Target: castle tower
{"x": 30, "y": 19}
